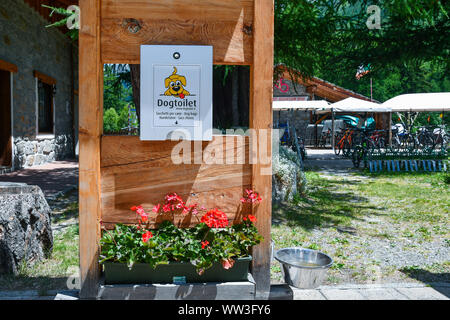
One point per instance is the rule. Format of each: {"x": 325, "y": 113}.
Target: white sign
{"x": 176, "y": 92}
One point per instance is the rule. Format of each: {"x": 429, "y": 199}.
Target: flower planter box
{"x": 141, "y": 273}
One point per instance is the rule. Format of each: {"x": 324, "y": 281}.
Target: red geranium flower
{"x": 251, "y": 197}
{"x": 227, "y": 264}
{"x": 215, "y": 219}
{"x": 144, "y": 217}
{"x": 156, "y": 208}
{"x": 205, "y": 244}
{"x": 146, "y": 236}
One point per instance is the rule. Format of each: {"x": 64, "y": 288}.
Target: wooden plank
{"x": 226, "y": 25}
{"x": 261, "y": 118}
{"x": 7, "y": 66}
{"x": 90, "y": 130}
{"x": 138, "y": 172}
{"x": 128, "y": 150}
{"x": 208, "y": 10}
{"x": 44, "y": 78}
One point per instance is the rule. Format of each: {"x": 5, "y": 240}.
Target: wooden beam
{"x": 90, "y": 130}
{"x": 225, "y": 25}
{"x": 322, "y": 118}
{"x": 261, "y": 120}
{"x": 7, "y": 66}
{"x": 44, "y": 78}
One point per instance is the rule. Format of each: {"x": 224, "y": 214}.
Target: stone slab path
{"x": 387, "y": 291}
{"x": 53, "y": 178}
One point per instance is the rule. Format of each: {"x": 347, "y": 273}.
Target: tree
{"x": 330, "y": 39}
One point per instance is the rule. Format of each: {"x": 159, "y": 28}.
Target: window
{"x": 45, "y": 108}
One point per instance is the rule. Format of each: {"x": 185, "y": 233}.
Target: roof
{"x": 357, "y": 105}
{"x": 300, "y": 105}
{"x": 322, "y": 88}
{"x": 420, "y": 102}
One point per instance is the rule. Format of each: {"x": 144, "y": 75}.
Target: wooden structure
{"x": 117, "y": 172}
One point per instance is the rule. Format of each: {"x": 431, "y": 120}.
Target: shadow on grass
{"x": 41, "y": 284}
{"x": 430, "y": 278}
{"x": 323, "y": 207}
{"x": 64, "y": 207}
{"x": 67, "y": 214}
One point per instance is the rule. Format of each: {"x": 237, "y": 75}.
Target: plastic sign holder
{"x": 176, "y": 92}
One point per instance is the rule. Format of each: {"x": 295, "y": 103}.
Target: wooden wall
{"x": 138, "y": 172}
{"x": 117, "y": 172}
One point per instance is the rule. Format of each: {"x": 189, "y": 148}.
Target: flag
{"x": 362, "y": 71}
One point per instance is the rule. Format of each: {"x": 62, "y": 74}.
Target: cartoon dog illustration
{"x": 175, "y": 84}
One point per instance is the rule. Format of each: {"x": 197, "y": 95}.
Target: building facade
{"x": 38, "y": 80}
{"x": 291, "y": 88}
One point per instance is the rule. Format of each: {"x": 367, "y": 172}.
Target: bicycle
{"x": 344, "y": 144}
{"x": 362, "y": 149}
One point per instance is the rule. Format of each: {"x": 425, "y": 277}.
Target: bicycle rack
{"x": 438, "y": 165}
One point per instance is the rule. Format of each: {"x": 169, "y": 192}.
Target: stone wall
{"x": 295, "y": 89}
{"x": 25, "y": 42}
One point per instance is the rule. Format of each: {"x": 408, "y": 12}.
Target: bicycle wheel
{"x": 357, "y": 156}
{"x": 347, "y": 149}
{"x": 338, "y": 145}
{"x": 381, "y": 143}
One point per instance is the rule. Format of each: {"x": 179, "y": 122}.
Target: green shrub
{"x": 110, "y": 121}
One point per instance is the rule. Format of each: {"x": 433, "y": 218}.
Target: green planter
{"x": 141, "y": 273}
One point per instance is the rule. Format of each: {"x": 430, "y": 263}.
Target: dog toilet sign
{"x": 176, "y": 92}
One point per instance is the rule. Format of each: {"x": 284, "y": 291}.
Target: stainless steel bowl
{"x": 303, "y": 268}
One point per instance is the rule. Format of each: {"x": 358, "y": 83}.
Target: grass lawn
{"x": 388, "y": 227}
{"x": 376, "y": 227}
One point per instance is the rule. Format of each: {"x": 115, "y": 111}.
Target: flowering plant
{"x": 212, "y": 240}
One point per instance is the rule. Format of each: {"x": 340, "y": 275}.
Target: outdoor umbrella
{"x": 420, "y": 102}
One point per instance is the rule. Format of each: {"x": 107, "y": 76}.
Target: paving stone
{"x": 308, "y": 294}
{"x": 426, "y": 293}
{"x": 281, "y": 292}
{"x": 382, "y": 294}
{"x": 338, "y": 294}
{"x": 445, "y": 290}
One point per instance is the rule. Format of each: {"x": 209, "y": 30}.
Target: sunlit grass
{"x": 51, "y": 273}
{"x": 415, "y": 205}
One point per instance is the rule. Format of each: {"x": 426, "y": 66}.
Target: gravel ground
{"x": 374, "y": 245}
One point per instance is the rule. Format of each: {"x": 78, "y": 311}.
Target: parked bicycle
{"x": 343, "y": 142}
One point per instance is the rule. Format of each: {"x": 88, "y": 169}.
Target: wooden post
{"x": 90, "y": 130}
{"x": 261, "y": 118}
{"x": 241, "y": 32}
{"x": 332, "y": 129}
{"x": 390, "y": 129}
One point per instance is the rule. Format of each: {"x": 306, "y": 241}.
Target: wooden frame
{"x": 7, "y": 66}
{"x": 44, "y": 133}
{"x": 11, "y": 118}
{"x": 44, "y": 78}
{"x": 241, "y": 32}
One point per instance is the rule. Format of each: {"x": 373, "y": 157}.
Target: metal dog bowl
{"x": 303, "y": 268}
